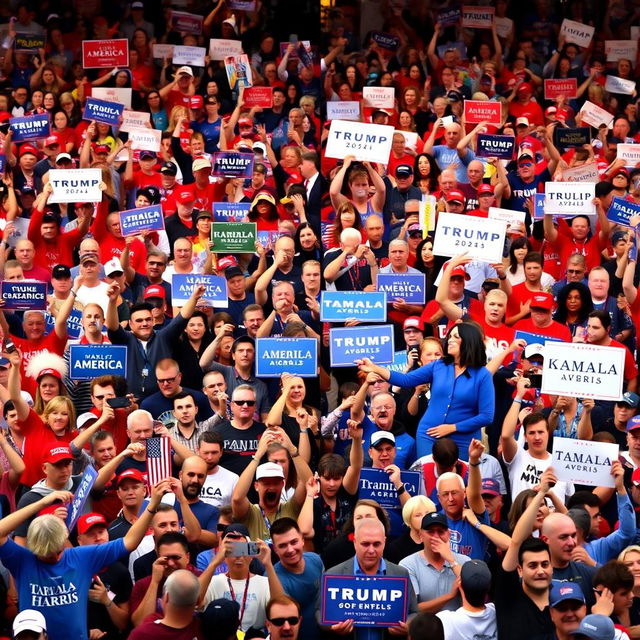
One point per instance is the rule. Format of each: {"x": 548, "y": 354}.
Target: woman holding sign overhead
{"x": 462, "y": 394}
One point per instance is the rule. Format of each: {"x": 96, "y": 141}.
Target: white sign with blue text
{"x": 569, "y": 198}
{"x": 367, "y": 142}
{"x": 296, "y": 356}
{"x": 348, "y": 344}
{"x": 340, "y": 306}
{"x": 584, "y": 461}
{"x": 75, "y": 185}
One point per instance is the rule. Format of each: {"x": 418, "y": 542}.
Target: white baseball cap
{"x": 269, "y": 470}
{"x": 382, "y": 436}
{"x": 29, "y": 620}
{"x": 186, "y": 70}
{"x": 113, "y": 266}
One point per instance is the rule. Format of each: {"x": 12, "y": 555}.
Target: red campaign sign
{"x": 258, "y": 97}
{"x": 556, "y": 87}
{"x": 476, "y": 111}
{"x": 104, "y": 54}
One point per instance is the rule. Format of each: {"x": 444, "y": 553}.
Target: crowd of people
{"x": 197, "y": 496}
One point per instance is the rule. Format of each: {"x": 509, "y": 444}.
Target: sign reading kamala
{"x": 375, "y": 485}
{"x": 103, "y": 111}
{"x": 231, "y": 164}
{"x": 490, "y": 146}
{"x": 24, "y": 295}
{"x": 481, "y": 238}
{"x": 476, "y": 111}
{"x": 88, "y": 361}
{"x": 367, "y": 600}
{"x": 367, "y": 142}
{"x": 622, "y": 210}
{"x": 103, "y": 54}
{"x": 583, "y": 370}
{"x": 182, "y": 286}
{"x": 75, "y": 509}
{"x": 584, "y": 462}
{"x": 296, "y": 356}
{"x": 233, "y": 237}
{"x": 340, "y": 306}
{"x": 75, "y": 185}
{"x": 135, "y": 221}
{"x": 569, "y": 199}
{"x": 230, "y": 211}
{"x": 348, "y": 344}
{"x": 30, "y": 127}
{"x": 408, "y": 287}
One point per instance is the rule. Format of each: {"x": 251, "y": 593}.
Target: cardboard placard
{"x": 348, "y": 344}
{"x": 30, "y": 127}
{"x": 29, "y": 42}
{"x": 230, "y": 211}
{"x": 113, "y": 94}
{"x": 584, "y": 461}
{"x": 219, "y": 49}
{"x": 191, "y": 56}
{"x": 233, "y": 237}
{"x": 232, "y": 164}
{"x": 568, "y": 199}
{"x": 134, "y": 120}
{"x": 103, "y": 111}
{"x": 182, "y": 286}
{"x": 621, "y": 50}
{"x": 75, "y": 185}
{"x": 105, "y": 54}
{"x": 476, "y": 111}
{"x": 88, "y": 361}
{"x": 238, "y": 71}
{"x": 379, "y": 97}
{"x": 582, "y": 173}
{"x": 596, "y": 116}
{"x": 187, "y": 22}
{"x": 622, "y": 210}
{"x": 620, "y": 85}
{"x": 365, "y": 306}
{"x": 145, "y": 139}
{"x": 365, "y": 141}
{"x": 296, "y": 356}
{"x": 135, "y": 221}
{"x": 556, "y": 87}
{"x": 630, "y": 153}
{"x": 477, "y": 17}
{"x": 162, "y": 51}
{"x": 409, "y": 287}
{"x": 24, "y": 295}
{"x": 576, "y": 32}
{"x": 258, "y": 97}
{"x": 492, "y": 146}
{"x": 566, "y": 138}
{"x": 343, "y": 110}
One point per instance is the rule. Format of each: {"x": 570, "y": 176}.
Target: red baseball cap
{"x": 185, "y": 196}
{"x": 197, "y": 102}
{"x": 56, "y": 452}
{"x": 457, "y": 271}
{"x": 28, "y": 148}
{"x": 525, "y": 86}
{"x": 226, "y": 262}
{"x": 635, "y": 477}
{"x": 245, "y": 121}
{"x": 485, "y": 189}
{"x": 412, "y": 322}
{"x": 51, "y": 140}
{"x": 542, "y": 300}
{"x": 89, "y": 520}
{"x": 455, "y": 196}
{"x": 130, "y": 474}
{"x": 102, "y": 148}
{"x": 154, "y": 291}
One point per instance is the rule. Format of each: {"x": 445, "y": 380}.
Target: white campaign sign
{"x": 379, "y": 97}
{"x": 75, "y": 185}
{"x": 113, "y": 94}
{"x": 162, "y": 51}
{"x": 576, "y": 32}
{"x": 219, "y": 49}
{"x": 192, "y": 56}
{"x": 621, "y": 50}
{"x": 134, "y": 120}
{"x": 367, "y": 142}
{"x": 583, "y": 370}
{"x": 512, "y": 218}
{"x": 569, "y": 198}
{"x": 583, "y": 173}
{"x": 584, "y": 461}
{"x": 504, "y": 26}
{"x": 145, "y": 139}
{"x": 343, "y": 110}
{"x": 595, "y": 116}
{"x": 410, "y": 139}
{"x": 482, "y": 239}
{"x": 630, "y": 153}
{"x": 477, "y": 17}
{"x": 620, "y": 85}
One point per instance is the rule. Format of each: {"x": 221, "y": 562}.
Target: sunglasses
{"x": 525, "y": 164}
{"x": 221, "y": 527}
{"x": 278, "y": 622}
{"x": 248, "y": 403}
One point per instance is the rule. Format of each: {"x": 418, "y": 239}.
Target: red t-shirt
{"x": 212, "y": 192}
{"x": 496, "y": 338}
{"x": 554, "y": 330}
{"x": 177, "y": 98}
{"x": 520, "y": 293}
{"x": 566, "y": 246}
{"x": 30, "y": 348}
{"x": 141, "y": 179}
{"x": 532, "y": 111}
{"x": 49, "y": 253}
{"x": 153, "y": 629}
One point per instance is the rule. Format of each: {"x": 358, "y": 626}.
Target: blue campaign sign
{"x": 267, "y": 238}
{"x": 182, "y": 285}
{"x": 231, "y": 164}
{"x": 103, "y": 111}
{"x": 538, "y": 206}
{"x": 3, "y": 162}
{"x": 30, "y": 127}
{"x": 74, "y": 511}
{"x": 134, "y": 221}
{"x": 296, "y": 356}
{"x": 490, "y": 146}
{"x": 380, "y": 601}
{"x": 340, "y": 306}
{"x": 88, "y": 361}
{"x": 622, "y": 210}
{"x": 348, "y": 344}
{"x": 24, "y": 295}
{"x": 74, "y": 324}
{"x": 230, "y": 211}
{"x": 399, "y": 361}
{"x": 534, "y": 338}
{"x": 406, "y": 286}
{"x": 375, "y": 485}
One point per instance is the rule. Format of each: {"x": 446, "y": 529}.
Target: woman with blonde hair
{"x": 416, "y": 508}
{"x": 630, "y": 557}
{"x": 49, "y": 370}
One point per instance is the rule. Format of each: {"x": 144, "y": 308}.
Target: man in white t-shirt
{"x": 473, "y": 619}
{"x": 91, "y": 288}
{"x": 526, "y": 466}
{"x": 220, "y": 482}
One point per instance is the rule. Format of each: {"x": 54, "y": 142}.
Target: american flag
{"x": 158, "y": 459}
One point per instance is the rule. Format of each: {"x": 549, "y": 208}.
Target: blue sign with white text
{"x": 88, "y": 361}
{"x": 340, "y": 306}
{"x": 348, "y": 344}
{"x": 408, "y": 287}
{"x": 380, "y": 601}
{"x": 24, "y": 295}
{"x": 215, "y": 295}
{"x": 375, "y": 485}
{"x": 74, "y": 510}
{"x": 490, "y": 146}
{"x": 231, "y": 164}
{"x": 134, "y": 221}
{"x": 622, "y": 210}
{"x": 534, "y": 338}
{"x": 399, "y": 361}
{"x": 103, "y": 111}
{"x": 30, "y": 127}
{"x": 230, "y": 211}
{"x": 74, "y": 323}
{"x": 296, "y": 356}
{"x": 3, "y": 162}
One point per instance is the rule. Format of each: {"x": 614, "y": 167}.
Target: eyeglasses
{"x": 157, "y": 264}
{"x": 167, "y": 380}
{"x": 221, "y": 527}
{"x": 248, "y": 403}
{"x": 278, "y": 622}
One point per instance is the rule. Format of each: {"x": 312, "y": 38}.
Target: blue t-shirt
{"x": 468, "y": 540}
{"x": 59, "y": 591}
{"x": 446, "y": 158}
{"x": 206, "y": 514}
{"x": 210, "y": 132}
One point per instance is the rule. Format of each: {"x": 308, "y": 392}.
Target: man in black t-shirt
{"x": 623, "y": 411}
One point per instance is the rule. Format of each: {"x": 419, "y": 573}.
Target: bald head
{"x": 368, "y": 526}
{"x": 553, "y": 521}
{"x": 559, "y": 532}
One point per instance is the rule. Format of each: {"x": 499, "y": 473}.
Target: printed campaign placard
{"x": 74, "y": 323}
{"x": 620, "y": 85}
{"x": 569, "y": 198}
{"x": 242, "y": 5}
{"x": 399, "y": 361}
{"x": 379, "y": 97}
{"x": 103, "y": 111}
{"x": 192, "y": 56}
{"x": 410, "y": 139}
{"x": 490, "y": 146}
{"x": 621, "y": 50}
{"x": 182, "y": 286}
{"x": 576, "y": 32}
{"x": 375, "y": 485}
{"x": 75, "y": 185}
{"x": 238, "y": 72}
{"x": 145, "y": 139}
{"x": 258, "y": 97}
{"x": 29, "y": 42}
{"x": 481, "y": 238}
{"x": 556, "y": 87}
{"x": 296, "y": 356}
{"x": 233, "y": 237}
{"x": 187, "y": 22}
{"x": 538, "y": 206}
{"x": 582, "y": 173}
{"x": 230, "y": 211}
{"x": 348, "y": 344}
{"x": 427, "y": 214}
{"x": 113, "y": 94}
{"x": 504, "y": 26}
{"x": 630, "y": 153}
{"x": 24, "y": 295}
{"x": 75, "y": 509}
{"x": 380, "y": 601}
{"x": 231, "y": 164}
{"x": 477, "y": 17}
{"x": 134, "y": 120}
{"x": 583, "y": 371}
{"x": 596, "y": 116}
{"x": 534, "y": 338}
{"x": 30, "y": 127}
{"x": 386, "y": 40}
{"x": 340, "y": 306}
{"x": 162, "y": 51}
{"x": 105, "y": 54}
{"x": 343, "y": 110}
{"x": 476, "y": 111}
{"x": 219, "y": 49}
{"x": 365, "y": 141}
{"x": 512, "y": 218}
{"x": 584, "y": 462}
{"x": 88, "y": 361}
{"x": 565, "y": 137}
{"x": 135, "y": 221}
{"x": 410, "y": 287}
{"x": 449, "y": 17}
{"x": 622, "y": 210}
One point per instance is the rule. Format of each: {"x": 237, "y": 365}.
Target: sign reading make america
{"x": 75, "y": 185}
{"x": 30, "y": 127}
{"x": 105, "y": 54}
{"x": 367, "y": 142}
{"x": 182, "y": 286}
{"x": 24, "y": 295}
{"x": 584, "y": 461}
{"x": 88, "y": 361}
{"x": 135, "y": 221}
{"x": 296, "y": 356}
{"x": 583, "y": 371}
{"x": 476, "y": 111}
{"x": 490, "y": 146}
{"x": 380, "y": 601}
{"x": 340, "y": 306}
{"x": 348, "y": 344}
{"x": 103, "y": 111}
{"x": 409, "y": 287}
{"x": 569, "y": 198}
{"x": 231, "y": 164}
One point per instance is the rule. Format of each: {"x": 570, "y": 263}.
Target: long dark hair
{"x": 434, "y": 171}
{"x": 296, "y": 238}
{"x": 473, "y": 353}
{"x": 517, "y": 243}
{"x": 585, "y": 295}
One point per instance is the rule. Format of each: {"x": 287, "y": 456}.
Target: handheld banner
{"x": 620, "y": 85}
{"x": 296, "y": 356}
{"x": 367, "y": 142}
{"x": 512, "y": 218}
{"x": 258, "y": 97}
{"x": 449, "y": 17}
{"x": 621, "y": 211}
{"x": 29, "y": 42}
{"x": 343, "y": 110}
{"x": 477, "y": 111}
{"x": 220, "y": 49}
{"x": 386, "y": 40}
{"x": 192, "y": 56}
{"x": 375, "y": 485}
{"x": 490, "y": 146}
{"x": 582, "y": 173}
{"x": 568, "y": 199}
{"x": 145, "y": 139}
{"x": 348, "y": 344}
{"x": 134, "y": 120}
{"x": 630, "y": 153}
{"x": 182, "y": 286}
{"x": 88, "y": 361}
{"x": 24, "y": 295}
{"x": 103, "y": 111}
{"x": 596, "y": 116}
{"x": 75, "y": 185}
{"x": 187, "y": 22}
{"x": 135, "y": 221}
{"x": 30, "y": 127}
{"x": 340, "y": 306}
{"x": 584, "y": 462}
{"x": 379, "y": 97}
{"x": 564, "y": 137}
{"x": 410, "y": 287}
{"x": 556, "y": 87}
{"x": 231, "y": 164}
{"x": 233, "y": 237}
{"x": 105, "y": 54}
{"x": 576, "y": 32}
{"x": 621, "y": 50}
{"x": 238, "y": 72}
{"x": 74, "y": 511}
{"x": 230, "y": 211}
{"x": 477, "y": 17}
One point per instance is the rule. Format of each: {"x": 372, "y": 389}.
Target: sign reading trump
{"x": 367, "y": 142}
{"x": 481, "y": 238}
{"x": 348, "y": 344}
{"x": 75, "y": 185}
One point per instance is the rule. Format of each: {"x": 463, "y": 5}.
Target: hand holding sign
{"x": 57, "y": 496}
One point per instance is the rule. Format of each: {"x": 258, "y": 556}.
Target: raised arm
{"x": 351, "y": 480}
{"x": 16, "y": 463}
{"x": 13, "y": 385}
{"x": 510, "y": 423}
{"x": 335, "y": 188}
{"x": 139, "y": 529}
{"x": 449, "y": 308}
{"x": 474, "y": 486}
{"x": 377, "y": 200}
{"x": 239, "y": 502}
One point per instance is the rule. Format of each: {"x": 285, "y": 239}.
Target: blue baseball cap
{"x": 561, "y": 591}
{"x": 630, "y": 398}
{"x": 633, "y": 424}
{"x": 596, "y": 627}
{"x": 490, "y": 486}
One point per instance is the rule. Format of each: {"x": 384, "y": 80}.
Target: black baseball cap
{"x": 60, "y": 271}
{"x": 232, "y": 272}
{"x": 435, "y": 517}
{"x": 169, "y": 168}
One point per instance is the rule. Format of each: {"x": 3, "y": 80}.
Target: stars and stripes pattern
{"x": 158, "y": 459}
